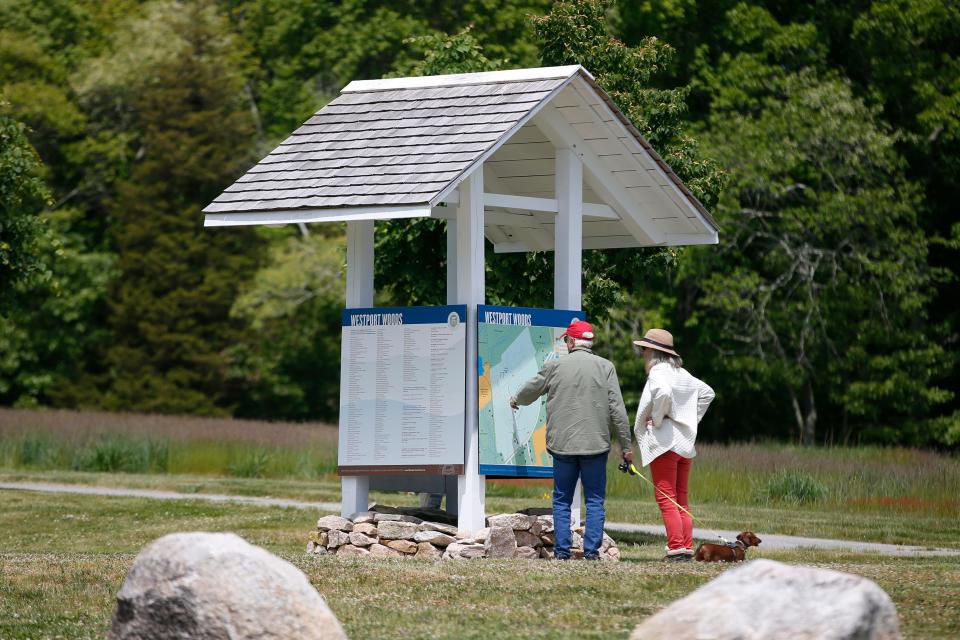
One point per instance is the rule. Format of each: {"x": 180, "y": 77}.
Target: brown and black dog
{"x": 736, "y": 552}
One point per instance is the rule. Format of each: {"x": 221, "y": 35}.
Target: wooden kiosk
{"x": 529, "y": 160}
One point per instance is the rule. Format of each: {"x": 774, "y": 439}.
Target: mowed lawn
{"x": 64, "y": 557}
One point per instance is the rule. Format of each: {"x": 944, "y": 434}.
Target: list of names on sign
{"x": 402, "y": 383}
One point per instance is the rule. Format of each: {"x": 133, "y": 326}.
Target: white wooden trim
{"x": 554, "y": 126}
{"x": 683, "y": 239}
{"x": 471, "y": 492}
{"x": 526, "y": 203}
{"x": 340, "y": 214}
{"x": 612, "y": 120}
{"x": 461, "y": 79}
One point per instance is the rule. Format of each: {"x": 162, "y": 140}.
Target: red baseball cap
{"x": 579, "y": 330}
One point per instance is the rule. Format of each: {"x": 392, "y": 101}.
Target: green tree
{"x": 169, "y": 309}
{"x": 823, "y": 268}
{"x": 22, "y": 194}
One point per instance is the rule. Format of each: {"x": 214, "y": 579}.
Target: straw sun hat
{"x": 658, "y": 339}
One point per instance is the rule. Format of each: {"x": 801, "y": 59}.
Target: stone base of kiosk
{"x": 392, "y": 533}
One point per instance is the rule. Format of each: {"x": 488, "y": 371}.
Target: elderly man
{"x": 584, "y": 406}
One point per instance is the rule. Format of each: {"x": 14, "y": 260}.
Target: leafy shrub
{"x": 36, "y": 451}
{"x": 113, "y": 452}
{"x": 790, "y": 486}
{"x": 252, "y": 464}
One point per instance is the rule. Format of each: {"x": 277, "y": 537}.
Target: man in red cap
{"x": 584, "y": 406}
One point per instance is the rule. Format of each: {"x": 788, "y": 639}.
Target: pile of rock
{"x": 512, "y": 535}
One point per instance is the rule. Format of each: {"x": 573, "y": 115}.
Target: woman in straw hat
{"x": 671, "y": 406}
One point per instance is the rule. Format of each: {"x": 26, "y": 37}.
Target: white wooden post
{"x": 355, "y": 490}
{"x": 452, "y": 489}
{"x": 471, "y": 489}
{"x": 567, "y": 254}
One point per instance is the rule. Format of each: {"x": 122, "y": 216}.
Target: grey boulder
{"x": 213, "y": 586}
{"x": 767, "y": 599}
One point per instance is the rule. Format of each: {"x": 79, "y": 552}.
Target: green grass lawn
{"x": 873, "y": 523}
{"x": 65, "y": 556}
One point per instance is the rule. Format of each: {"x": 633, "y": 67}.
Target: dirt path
{"x": 770, "y": 541}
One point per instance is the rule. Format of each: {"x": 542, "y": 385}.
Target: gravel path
{"x": 770, "y": 541}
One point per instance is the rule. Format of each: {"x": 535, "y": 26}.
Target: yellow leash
{"x": 636, "y": 472}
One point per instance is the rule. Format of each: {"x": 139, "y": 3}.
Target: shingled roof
{"x": 399, "y": 147}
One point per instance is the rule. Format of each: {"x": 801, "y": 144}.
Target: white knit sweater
{"x": 676, "y": 401}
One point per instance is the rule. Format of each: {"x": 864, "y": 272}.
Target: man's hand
{"x": 513, "y": 403}
{"x": 628, "y": 455}
{"x": 649, "y": 423}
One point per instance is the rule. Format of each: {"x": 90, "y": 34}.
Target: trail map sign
{"x": 513, "y": 345}
{"x": 402, "y": 383}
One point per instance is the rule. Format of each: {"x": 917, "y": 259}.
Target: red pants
{"x": 670, "y": 473}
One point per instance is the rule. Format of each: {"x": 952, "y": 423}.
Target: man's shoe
{"x": 593, "y": 557}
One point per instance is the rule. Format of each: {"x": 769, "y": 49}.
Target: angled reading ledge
{"x": 402, "y": 147}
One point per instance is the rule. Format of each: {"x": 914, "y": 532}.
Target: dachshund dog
{"x": 734, "y": 552}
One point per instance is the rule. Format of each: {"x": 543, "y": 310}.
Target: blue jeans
{"x": 592, "y": 471}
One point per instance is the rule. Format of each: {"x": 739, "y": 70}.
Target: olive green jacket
{"x": 584, "y": 404}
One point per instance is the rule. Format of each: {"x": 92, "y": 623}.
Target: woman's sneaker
{"x": 678, "y": 555}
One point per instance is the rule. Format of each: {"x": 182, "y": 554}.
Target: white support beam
{"x": 548, "y": 205}
{"x": 568, "y": 254}
{"x": 355, "y": 490}
{"x": 568, "y": 231}
{"x": 563, "y": 135}
{"x": 471, "y": 285}
{"x": 450, "y": 485}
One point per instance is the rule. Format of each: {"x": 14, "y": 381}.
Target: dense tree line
{"x": 824, "y": 137}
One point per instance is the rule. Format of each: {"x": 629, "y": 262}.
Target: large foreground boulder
{"x": 213, "y": 586}
{"x": 767, "y": 599}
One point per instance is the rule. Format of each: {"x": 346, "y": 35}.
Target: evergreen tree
{"x": 170, "y": 307}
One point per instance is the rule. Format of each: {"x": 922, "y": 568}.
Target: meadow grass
{"x": 65, "y": 556}
{"x": 874, "y": 494}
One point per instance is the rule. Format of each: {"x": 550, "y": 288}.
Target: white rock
{"x": 767, "y": 599}
{"x": 448, "y": 529}
{"x": 381, "y": 550}
{"x": 526, "y": 539}
{"x": 352, "y": 550}
{"x": 334, "y": 522}
{"x": 515, "y": 521}
{"x": 612, "y": 554}
{"x": 471, "y": 551}
{"x": 363, "y": 517}
{"x": 434, "y": 537}
{"x": 361, "y": 540}
{"x": 396, "y": 530}
{"x": 428, "y": 551}
{"x": 336, "y": 538}
{"x": 366, "y": 528}
{"x": 527, "y": 553}
{"x": 546, "y": 522}
{"x": 501, "y": 543}
{"x": 403, "y": 546}
{"x": 216, "y": 585}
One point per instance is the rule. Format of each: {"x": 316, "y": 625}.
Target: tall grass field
{"x": 883, "y": 494}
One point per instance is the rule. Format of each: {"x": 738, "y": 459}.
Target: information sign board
{"x": 402, "y": 383}
{"x": 513, "y": 345}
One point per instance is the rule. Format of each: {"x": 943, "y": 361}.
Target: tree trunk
{"x": 806, "y": 416}
{"x": 809, "y": 431}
